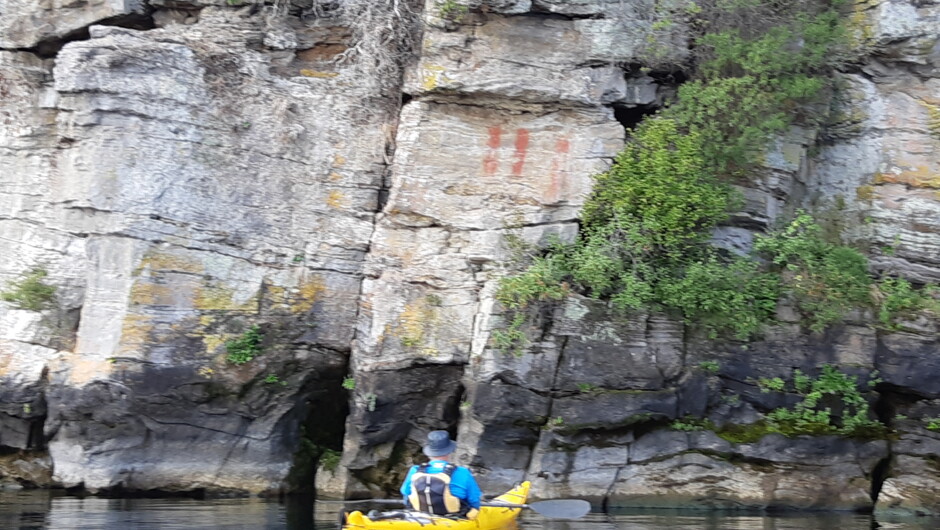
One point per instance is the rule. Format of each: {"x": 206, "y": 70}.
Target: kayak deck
{"x": 489, "y": 518}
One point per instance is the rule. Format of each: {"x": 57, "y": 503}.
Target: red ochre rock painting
{"x": 522, "y": 145}
{"x": 558, "y": 171}
{"x": 491, "y": 160}
{"x": 558, "y": 168}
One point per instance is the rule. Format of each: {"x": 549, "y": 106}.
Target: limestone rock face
{"x": 26, "y": 23}
{"x": 179, "y": 188}
{"x": 190, "y": 175}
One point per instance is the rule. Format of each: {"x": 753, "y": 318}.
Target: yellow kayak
{"x": 489, "y": 518}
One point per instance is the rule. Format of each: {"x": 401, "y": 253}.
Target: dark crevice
{"x": 886, "y": 407}
{"x": 323, "y": 407}
{"x": 879, "y": 474}
{"x": 50, "y": 47}
{"x": 630, "y": 116}
{"x": 544, "y": 13}
{"x": 452, "y": 410}
{"x": 669, "y": 77}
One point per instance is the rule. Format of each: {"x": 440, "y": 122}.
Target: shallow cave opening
{"x": 890, "y": 400}
{"x": 324, "y": 410}
{"x": 630, "y": 115}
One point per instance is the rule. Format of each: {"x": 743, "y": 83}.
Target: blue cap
{"x": 439, "y": 444}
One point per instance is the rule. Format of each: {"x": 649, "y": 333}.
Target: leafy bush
{"x": 897, "y": 297}
{"x": 724, "y": 295}
{"x": 30, "y": 292}
{"x": 645, "y": 234}
{"x": 658, "y": 198}
{"x": 646, "y": 227}
{"x": 814, "y": 414}
{"x": 511, "y": 340}
{"x": 826, "y": 280}
{"x": 246, "y": 347}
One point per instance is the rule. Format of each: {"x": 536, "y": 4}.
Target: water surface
{"x": 35, "y": 510}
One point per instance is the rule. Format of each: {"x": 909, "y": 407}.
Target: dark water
{"x": 42, "y": 510}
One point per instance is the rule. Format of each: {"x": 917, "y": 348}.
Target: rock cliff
{"x": 188, "y": 174}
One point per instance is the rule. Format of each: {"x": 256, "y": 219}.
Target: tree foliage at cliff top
{"x": 646, "y": 227}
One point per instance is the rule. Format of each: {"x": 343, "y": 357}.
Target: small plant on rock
{"x": 246, "y": 347}
{"x": 932, "y": 424}
{"x": 710, "y": 367}
{"x": 451, "y": 10}
{"x": 329, "y": 459}
{"x": 30, "y": 292}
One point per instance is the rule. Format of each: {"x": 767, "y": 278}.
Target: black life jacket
{"x": 430, "y": 492}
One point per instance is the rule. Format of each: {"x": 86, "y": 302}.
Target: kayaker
{"x": 441, "y": 487}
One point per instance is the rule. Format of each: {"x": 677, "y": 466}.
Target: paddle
{"x": 556, "y": 509}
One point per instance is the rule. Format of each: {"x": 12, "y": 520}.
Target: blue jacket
{"x": 462, "y": 484}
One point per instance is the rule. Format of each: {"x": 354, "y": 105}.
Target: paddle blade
{"x": 561, "y": 508}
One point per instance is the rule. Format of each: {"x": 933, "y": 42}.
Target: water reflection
{"x": 36, "y": 510}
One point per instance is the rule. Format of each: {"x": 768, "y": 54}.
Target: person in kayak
{"x": 441, "y": 487}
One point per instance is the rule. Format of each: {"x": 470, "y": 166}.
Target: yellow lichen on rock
{"x": 432, "y": 76}
{"x": 865, "y": 193}
{"x": 166, "y": 261}
{"x": 414, "y": 322}
{"x": 336, "y": 199}
{"x": 149, "y": 293}
{"x": 309, "y": 293}
{"x": 933, "y": 117}
{"x": 136, "y": 333}
{"x": 218, "y": 298}
{"x": 214, "y": 341}
{"x": 917, "y": 177}
{"x": 860, "y": 27}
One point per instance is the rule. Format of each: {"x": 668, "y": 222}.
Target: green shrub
{"x": 246, "y": 347}
{"x": 897, "y": 297}
{"x": 731, "y": 295}
{"x": 814, "y": 414}
{"x": 644, "y": 240}
{"x": 30, "y": 292}
{"x": 512, "y": 339}
{"x": 826, "y": 280}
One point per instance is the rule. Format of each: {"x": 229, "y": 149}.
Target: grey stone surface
{"x": 183, "y": 183}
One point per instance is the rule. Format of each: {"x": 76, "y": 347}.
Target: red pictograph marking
{"x": 491, "y": 160}
{"x": 522, "y": 145}
{"x": 558, "y": 170}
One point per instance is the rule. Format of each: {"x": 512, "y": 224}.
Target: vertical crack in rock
{"x": 885, "y": 409}
{"x": 322, "y": 430}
